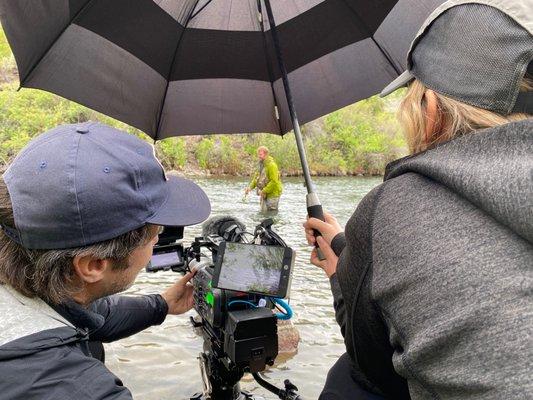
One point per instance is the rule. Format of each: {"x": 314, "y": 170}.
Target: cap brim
{"x": 399, "y": 82}
{"x": 187, "y": 204}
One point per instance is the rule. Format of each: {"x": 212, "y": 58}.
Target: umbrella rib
{"x": 200, "y": 10}
{"x": 269, "y": 67}
{"x": 25, "y": 79}
{"x": 371, "y": 35}
{"x": 160, "y": 113}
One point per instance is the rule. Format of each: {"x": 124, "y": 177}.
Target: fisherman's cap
{"x": 476, "y": 52}
{"x": 77, "y": 185}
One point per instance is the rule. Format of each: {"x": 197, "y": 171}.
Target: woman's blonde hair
{"x": 454, "y": 117}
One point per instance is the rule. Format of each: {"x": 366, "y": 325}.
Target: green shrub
{"x": 366, "y": 135}
{"x": 203, "y": 152}
{"x": 5, "y": 50}
{"x": 172, "y": 152}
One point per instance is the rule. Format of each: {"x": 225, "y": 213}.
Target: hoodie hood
{"x": 492, "y": 168}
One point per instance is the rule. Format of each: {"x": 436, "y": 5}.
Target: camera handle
{"x": 289, "y": 393}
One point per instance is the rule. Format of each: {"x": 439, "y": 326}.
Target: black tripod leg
{"x": 289, "y": 393}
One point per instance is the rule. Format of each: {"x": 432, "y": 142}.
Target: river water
{"x": 161, "y": 362}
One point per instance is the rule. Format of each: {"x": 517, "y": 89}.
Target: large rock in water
{"x": 288, "y": 339}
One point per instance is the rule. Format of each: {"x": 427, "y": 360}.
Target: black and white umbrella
{"x": 178, "y": 67}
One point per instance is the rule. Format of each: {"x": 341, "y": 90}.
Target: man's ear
{"x": 90, "y": 269}
{"x": 432, "y": 115}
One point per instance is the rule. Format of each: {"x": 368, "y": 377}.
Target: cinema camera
{"x": 240, "y": 281}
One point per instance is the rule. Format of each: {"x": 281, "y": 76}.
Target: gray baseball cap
{"x": 76, "y": 185}
{"x": 476, "y": 52}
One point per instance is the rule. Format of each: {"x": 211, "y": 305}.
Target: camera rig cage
{"x": 239, "y": 329}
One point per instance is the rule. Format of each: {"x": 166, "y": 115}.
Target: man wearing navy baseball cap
{"x": 80, "y": 210}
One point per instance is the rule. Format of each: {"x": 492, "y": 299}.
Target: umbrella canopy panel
{"x": 172, "y": 67}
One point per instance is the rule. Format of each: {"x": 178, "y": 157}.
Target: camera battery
{"x": 251, "y": 340}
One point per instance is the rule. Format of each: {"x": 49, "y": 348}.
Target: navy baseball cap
{"x": 81, "y": 184}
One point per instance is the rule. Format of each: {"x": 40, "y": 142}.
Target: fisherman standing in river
{"x": 266, "y": 181}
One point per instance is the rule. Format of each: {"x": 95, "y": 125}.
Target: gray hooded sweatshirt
{"x": 433, "y": 290}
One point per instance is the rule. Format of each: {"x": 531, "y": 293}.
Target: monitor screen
{"x": 251, "y": 268}
{"x": 166, "y": 259}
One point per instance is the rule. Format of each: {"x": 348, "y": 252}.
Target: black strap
{"x": 524, "y": 103}
{"x": 97, "y": 350}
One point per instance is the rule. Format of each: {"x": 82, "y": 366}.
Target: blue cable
{"x": 242, "y": 302}
{"x": 288, "y": 310}
{"x": 283, "y": 316}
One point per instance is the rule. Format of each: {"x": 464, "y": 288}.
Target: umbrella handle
{"x": 316, "y": 211}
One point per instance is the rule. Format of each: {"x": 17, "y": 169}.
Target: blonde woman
{"x": 432, "y": 280}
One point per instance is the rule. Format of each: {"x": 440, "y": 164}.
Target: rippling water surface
{"x": 161, "y": 362}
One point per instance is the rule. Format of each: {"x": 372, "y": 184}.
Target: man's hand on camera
{"x": 328, "y": 228}
{"x": 329, "y": 264}
{"x": 179, "y": 296}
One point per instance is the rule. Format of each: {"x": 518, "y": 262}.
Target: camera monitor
{"x": 165, "y": 261}
{"x": 253, "y": 268}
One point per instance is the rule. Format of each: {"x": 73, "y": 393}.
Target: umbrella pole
{"x": 314, "y": 207}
